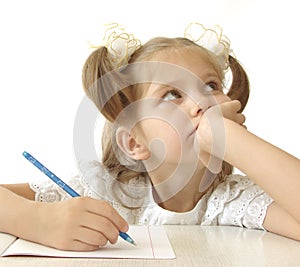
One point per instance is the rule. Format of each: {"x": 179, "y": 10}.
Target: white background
{"x": 43, "y": 45}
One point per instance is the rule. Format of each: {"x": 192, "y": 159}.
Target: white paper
{"x": 5, "y": 241}
{"x": 152, "y": 243}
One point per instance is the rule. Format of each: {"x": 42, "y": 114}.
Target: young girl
{"x": 171, "y": 138}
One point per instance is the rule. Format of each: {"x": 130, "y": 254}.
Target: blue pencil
{"x": 65, "y": 187}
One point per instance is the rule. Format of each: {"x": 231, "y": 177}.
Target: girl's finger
{"x": 81, "y": 246}
{"x": 102, "y": 208}
{"x": 240, "y": 118}
{"x": 236, "y": 105}
{"x": 90, "y": 237}
{"x": 101, "y": 225}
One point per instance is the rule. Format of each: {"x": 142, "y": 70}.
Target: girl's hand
{"x": 81, "y": 224}
{"x": 211, "y": 132}
{"x": 230, "y": 111}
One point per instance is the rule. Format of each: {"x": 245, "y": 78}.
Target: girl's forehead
{"x": 179, "y": 52}
{"x": 193, "y": 62}
{"x": 192, "y": 58}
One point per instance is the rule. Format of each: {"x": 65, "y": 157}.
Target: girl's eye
{"x": 171, "y": 95}
{"x": 212, "y": 86}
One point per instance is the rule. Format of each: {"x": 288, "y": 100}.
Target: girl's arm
{"x": 79, "y": 223}
{"x": 17, "y": 213}
{"x": 23, "y": 190}
{"x": 274, "y": 170}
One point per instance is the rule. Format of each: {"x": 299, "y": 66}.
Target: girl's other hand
{"x": 213, "y": 120}
{"x": 230, "y": 110}
{"x": 81, "y": 224}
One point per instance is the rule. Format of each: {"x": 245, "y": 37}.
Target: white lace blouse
{"x": 237, "y": 201}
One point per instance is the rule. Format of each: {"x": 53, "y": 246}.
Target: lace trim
{"x": 47, "y": 191}
{"x": 239, "y": 202}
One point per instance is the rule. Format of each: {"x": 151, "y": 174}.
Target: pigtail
{"x": 103, "y": 84}
{"x": 108, "y": 90}
{"x": 240, "y": 86}
{"x": 239, "y": 89}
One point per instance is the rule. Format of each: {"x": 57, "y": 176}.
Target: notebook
{"x": 152, "y": 243}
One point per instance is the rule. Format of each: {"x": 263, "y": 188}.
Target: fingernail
{"x": 125, "y": 228}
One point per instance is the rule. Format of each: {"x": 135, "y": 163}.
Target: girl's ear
{"x": 129, "y": 145}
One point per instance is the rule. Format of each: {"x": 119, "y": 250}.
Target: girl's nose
{"x": 195, "y": 110}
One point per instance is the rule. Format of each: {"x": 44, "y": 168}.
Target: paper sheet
{"x": 5, "y": 241}
{"x": 152, "y": 243}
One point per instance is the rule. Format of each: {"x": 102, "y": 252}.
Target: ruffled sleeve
{"x": 238, "y": 202}
{"x": 129, "y": 199}
{"x": 91, "y": 182}
{"x": 48, "y": 191}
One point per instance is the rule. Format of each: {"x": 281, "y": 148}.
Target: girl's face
{"x": 172, "y": 113}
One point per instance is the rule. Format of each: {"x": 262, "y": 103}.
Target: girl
{"x": 171, "y": 138}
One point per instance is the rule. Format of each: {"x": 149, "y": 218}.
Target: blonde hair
{"x": 98, "y": 64}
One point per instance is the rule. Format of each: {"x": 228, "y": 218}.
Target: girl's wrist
{"x": 234, "y": 132}
{"x": 27, "y": 220}
{"x": 221, "y": 142}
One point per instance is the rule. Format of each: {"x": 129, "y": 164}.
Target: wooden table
{"x": 196, "y": 246}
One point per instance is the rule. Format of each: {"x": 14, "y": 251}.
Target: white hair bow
{"x": 120, "y": 45}
{"x": 211, "y": 39}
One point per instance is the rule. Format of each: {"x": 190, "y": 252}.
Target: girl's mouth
{"x": 195, "y": 129}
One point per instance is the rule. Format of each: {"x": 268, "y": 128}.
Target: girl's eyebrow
{"x": 209, "y": 75}
{"x": 157, "y": 88}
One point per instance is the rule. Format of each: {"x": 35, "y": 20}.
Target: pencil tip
{"x": 131, "y": 241}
